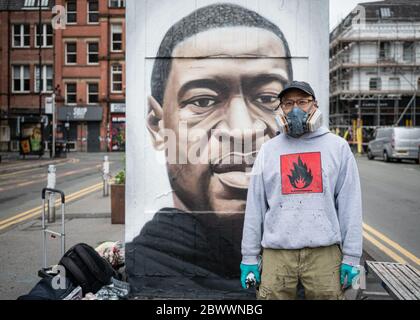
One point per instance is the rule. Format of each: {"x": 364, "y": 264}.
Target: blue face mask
{"x": 296, "y": 120}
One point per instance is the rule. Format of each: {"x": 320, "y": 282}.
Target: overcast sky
{"x": 339, "y": 9}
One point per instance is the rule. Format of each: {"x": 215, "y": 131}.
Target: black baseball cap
{"x": 300, "y": 85}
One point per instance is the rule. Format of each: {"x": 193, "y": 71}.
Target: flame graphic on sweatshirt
{"x": 300, "y": 177}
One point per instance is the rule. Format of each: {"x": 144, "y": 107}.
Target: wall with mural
{"x": 201, "y": 99}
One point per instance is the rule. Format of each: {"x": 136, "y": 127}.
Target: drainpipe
{"x": 40, "y": 31}
{"x": 9, "y": 67}
{"x": 108, "y": 85}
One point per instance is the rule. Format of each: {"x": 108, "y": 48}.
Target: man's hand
{"x": 348, "y": 272}
{"x": 246, "y": 269}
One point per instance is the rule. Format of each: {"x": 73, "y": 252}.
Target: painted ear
{"x": 154, "y": 122}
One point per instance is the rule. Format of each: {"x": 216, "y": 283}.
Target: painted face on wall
{"x": 225, "y": 95}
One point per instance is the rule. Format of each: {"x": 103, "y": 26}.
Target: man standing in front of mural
{"x": 303, "y": 208}
{"x": 237, "y": 63}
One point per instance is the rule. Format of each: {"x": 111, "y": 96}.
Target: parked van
{"x": 395, "y": 143}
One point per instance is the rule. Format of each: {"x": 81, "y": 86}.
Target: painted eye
{"x": 266, "y": 99}
{"x": 269, "y": 101}
{"x": 202, "y": 102}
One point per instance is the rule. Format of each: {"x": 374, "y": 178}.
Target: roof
{"x": 16, "y": 5}
{"x": 386, "y": 11}
{"x": 394, "y": 10}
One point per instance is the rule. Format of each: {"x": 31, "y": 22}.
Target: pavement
{"x": 390, "y": 205}
{"x": 87, "y": 220}
{"x": 391, "y": 209}
{"x": 88, "y": 214}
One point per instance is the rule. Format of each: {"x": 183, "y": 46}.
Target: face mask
{"x": 299, "y": 122}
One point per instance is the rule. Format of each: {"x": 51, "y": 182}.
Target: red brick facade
{"x": 15, "y": 104}
{"x": 82, "y": 73}
{"x": 85, "y": 121}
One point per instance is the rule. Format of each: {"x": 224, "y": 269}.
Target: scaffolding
{"x": 360, "y": 57}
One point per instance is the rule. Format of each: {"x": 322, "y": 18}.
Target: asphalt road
{"x": 21, "y": 190}
{"x": 391, "y": 205}
{"x": 391, "y": 199}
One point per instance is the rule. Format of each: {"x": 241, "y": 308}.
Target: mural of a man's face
{"x": 228, "y": 89}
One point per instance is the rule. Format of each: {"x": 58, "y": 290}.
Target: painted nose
{"x": 238, "y": 116}
{"x": 239, "y": 123}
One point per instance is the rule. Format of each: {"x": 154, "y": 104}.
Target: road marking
{"x": 37, "y": 211}
{"x": 393, "y": 244}
{"x": 11, "y": 167}
{"x": 40, "y": 207}
{"x": 65, "y": 174}
{"x": 383, "y": 248}
{"x": 29, "y": 170}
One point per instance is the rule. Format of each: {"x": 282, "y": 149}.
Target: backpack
{"x": 86, "y": 268}
{"x": 44, "y": 290}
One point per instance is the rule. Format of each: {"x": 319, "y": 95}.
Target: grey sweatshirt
{"x": 304, "y": 192}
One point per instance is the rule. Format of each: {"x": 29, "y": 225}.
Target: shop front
{"x": 80, "y": 127}
{"x": 117, "y": 127}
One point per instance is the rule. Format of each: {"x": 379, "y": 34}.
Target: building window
{"x": 408, "y": 51}
{"x": 116, "y": 78}
{"x": 375, "y": 84}
{"x": 71, "y": 53}
{"x": 93, "y": 11}
{"x": 116, "y": 4}
{"x": 93, "y": 93}
{"x": 71, "y": 93}
{"x": 345, "y": 85}
{"x": 71, "y": 9}
{"x": 116, "y": 37}
{"x": 21, "y": 35}
{"x": 46, "y": 78}
{"x": 384, "y": 50}
{"x": 385, "y": 13}
{"x": 35, "y": 3}
{"x": 21, "y": 79}
{"x": 93, "y": 53}
{"x": 46, "y": 35}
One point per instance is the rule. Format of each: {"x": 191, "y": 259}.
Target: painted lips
{"x": 233, "y": 170}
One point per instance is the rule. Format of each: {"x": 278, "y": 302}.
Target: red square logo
{"x": 301, "y": 173}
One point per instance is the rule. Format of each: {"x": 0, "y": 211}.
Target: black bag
{"x": 44, "y": 290}
{"x": 86, "y": 268}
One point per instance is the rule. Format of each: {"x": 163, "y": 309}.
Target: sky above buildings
{"x": 339, "y": 9}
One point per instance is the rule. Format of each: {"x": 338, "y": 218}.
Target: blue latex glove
{"x": 247, "y": 269}
{"x": 350, "y": 272}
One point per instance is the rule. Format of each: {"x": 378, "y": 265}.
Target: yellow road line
{"x": 40, "y": 207}
{"x": 29, "y": 170}
{"x": 383, "y": 248}
{"x": 42, "y": 179}
{"x": 28, "y": 166}
{"x": 391, "y": 243}
{"x": 36, "y": 211}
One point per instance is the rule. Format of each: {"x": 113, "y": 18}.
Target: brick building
{"x": 20, "y": 56}
{"x": 90, "y": 74}
{"x": 83, "y": 63}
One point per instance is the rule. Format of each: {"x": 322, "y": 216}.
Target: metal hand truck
{"x": 46, "y": 271}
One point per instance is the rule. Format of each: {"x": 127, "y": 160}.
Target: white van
{"x": 395, "y": 143}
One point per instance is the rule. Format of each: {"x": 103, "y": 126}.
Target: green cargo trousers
{"x": 317, "y": 269}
